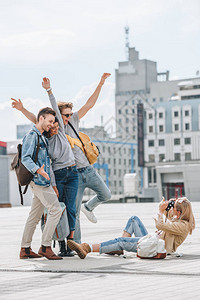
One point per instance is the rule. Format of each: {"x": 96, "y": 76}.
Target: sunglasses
{"x": 67, "y": 115}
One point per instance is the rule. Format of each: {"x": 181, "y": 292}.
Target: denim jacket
{"x": 29, "y": 146}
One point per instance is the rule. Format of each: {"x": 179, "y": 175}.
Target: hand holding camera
{"x": 166, "y": 204}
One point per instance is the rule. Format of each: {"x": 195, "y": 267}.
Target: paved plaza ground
{"x": 97, "y": 276}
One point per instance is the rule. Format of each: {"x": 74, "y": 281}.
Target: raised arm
{"x": 92, "y": 100}
{"x": 19, "y": 106}
{"x": 47, "y": 86}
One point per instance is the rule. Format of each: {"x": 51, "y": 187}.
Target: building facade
{"x": 171, "y": 127}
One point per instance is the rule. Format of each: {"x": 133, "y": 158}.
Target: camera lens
{"x": 170, "y": 205}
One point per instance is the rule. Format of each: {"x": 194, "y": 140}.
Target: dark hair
{"x": 45, "y": 111}
{"x": 47, "y": 133}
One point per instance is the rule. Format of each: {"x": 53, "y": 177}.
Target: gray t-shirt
{"x": 80, "y": 158}
{"x": 59, "y": 148}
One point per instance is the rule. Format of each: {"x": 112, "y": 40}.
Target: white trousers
{"x": 42, "y": 197}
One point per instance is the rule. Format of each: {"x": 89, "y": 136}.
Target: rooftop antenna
{"x": 126, "y": 28}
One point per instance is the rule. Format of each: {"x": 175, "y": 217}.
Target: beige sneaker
{"x": 81, "y": 249}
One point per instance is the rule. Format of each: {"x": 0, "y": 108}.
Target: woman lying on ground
{"x": 173, "y": 231}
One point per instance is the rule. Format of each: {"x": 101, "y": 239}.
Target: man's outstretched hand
{"x": 104, "y": 77}
{"x": 17, "y": 104}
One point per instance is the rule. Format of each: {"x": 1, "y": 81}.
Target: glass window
{"x": 154, "y": 175}
{"x": 149, "y": 175}
{"x": 187, "y": 141}
{"x": 177, "y": 156}
{"x": 161, "y": 142}
{"x": 154, "y": 99}
{"x": 161, "y": 128}
{"x": 120, "y": 121}
{"x": 160, "y": 115}
{"x": 176, "y": 114}
{"x": 127, "y": 120}
{"x": 119, "y": 111}
{"x": 151, "y": 143}
{"x": 126, "y": 102}
{"x": 150, "y": 128}
{"x": 161, "y": 157}
{"x": 187, "y": 113}
{"x": 176, "y": 127}
{"x": 120, "y": 161}
{"x": 161, "y": 99}
{"x": 188, "y": 156}
{"x": 187, "y": 126}
{"x": 126, "y": 111}
{"x": 133, "y": 102}
{"x": 150, "y": 116}
{"x": 177, "y": 141}
{"x": 151, "y": 157}
{"x": 127, "y": 130}
{"x": 133, "y": 111}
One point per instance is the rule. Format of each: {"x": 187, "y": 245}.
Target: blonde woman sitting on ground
{"x": 173, "y": 231}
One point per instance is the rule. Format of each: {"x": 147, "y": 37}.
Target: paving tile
{"x": 98, "y": 276}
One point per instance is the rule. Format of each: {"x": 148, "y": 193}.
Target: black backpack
{"x": 24, "y": 176}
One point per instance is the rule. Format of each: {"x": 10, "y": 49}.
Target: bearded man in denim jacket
{"x": 43, "y": 193}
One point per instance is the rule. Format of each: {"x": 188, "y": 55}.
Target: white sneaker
{"x": 89, "y": 214}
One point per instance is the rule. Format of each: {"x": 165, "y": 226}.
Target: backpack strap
{"x": 38, "y": 147}
{"x": 35, "y": 160}
{"x": 78, "y": 137}
{"x": 21, "y": 196}
{"x": 76, "y": 133}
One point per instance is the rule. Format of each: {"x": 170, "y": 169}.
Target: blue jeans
{"x": 89, "y": 178}
{"x": 67, "y": 185}
{"x": 134, "y": 225}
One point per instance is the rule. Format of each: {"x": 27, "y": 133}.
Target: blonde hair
{"x": 184, "y": 206}
{"x": 63, "y": 105}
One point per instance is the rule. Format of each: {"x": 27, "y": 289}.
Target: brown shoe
{"x": 120, "y": 252}
{"x": 48, "y": 253}
{"x": 81, "y": 249}
{"x": 28, "y": 253}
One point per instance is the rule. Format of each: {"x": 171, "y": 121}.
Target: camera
{"x": 170, "y": 205}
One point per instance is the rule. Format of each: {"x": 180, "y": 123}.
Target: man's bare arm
{"x": 92, "y": 100}
{"x": 17, "y": 104}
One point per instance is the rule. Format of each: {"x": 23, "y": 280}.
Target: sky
{"x": 75, "y": 42}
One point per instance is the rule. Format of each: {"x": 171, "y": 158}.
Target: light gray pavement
{"x": 98, "y": 275}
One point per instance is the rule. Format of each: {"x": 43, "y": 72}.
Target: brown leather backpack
{"x": 24, "y": 176}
